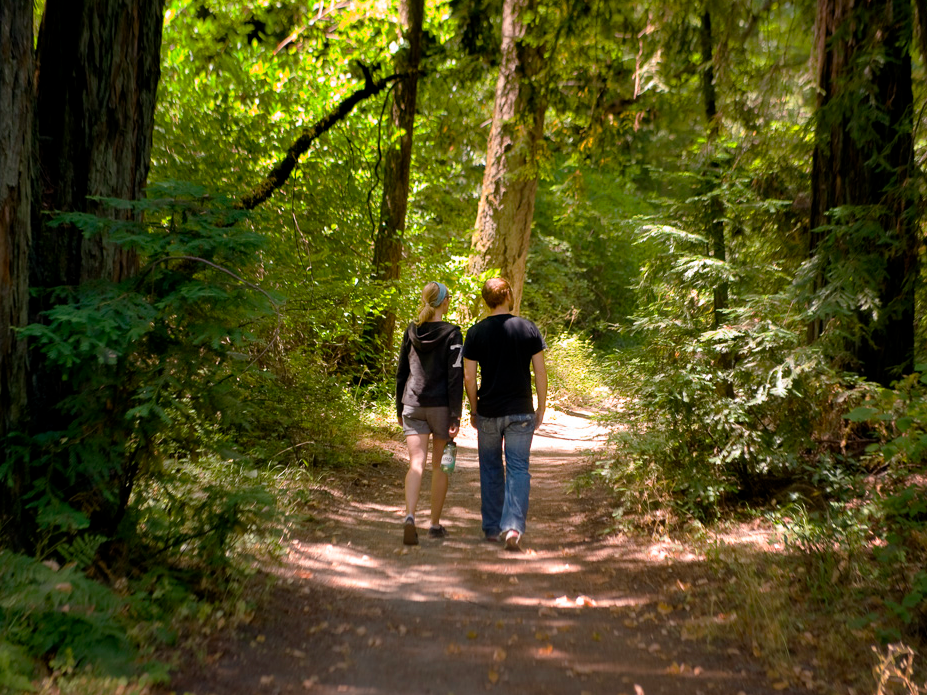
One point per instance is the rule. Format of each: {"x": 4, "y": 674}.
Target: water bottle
{"x": 449, "y": 457}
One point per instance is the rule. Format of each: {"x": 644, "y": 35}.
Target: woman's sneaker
{"x": 437, "y": 532}
{"x": 409, "y": 534}
{"x": 512, "y": 538}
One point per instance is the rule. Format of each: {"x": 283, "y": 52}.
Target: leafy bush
{"x": 714, "y": 412}
{"x": 150, "y": 363}
{"x": 60, "y": 613}
{"x": 575, "y": 378}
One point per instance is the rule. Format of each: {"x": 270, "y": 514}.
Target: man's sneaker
{"x": 437, "y": 532}
{"x": 512, "y": 537}
{"x": 491, "y": 537}
{"x": 409, "y": 534}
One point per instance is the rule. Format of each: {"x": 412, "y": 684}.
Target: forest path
{"x": 576, "y": 613}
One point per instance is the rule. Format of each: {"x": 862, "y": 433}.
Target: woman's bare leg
{"x": 418, "y": 453}
{"x": 438, "y": 481}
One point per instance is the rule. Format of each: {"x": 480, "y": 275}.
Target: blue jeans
{"x": 504, "y": 489}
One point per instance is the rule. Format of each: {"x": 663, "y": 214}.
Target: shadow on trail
{"x": 575, "y": 613}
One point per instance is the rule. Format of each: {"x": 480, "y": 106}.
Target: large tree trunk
{"x": 510, "y": 181}
{"x": 863, "y": 162}
{"x": 17, "y": 98}
{"x": 97, "y": 69}
{"x": 387, "y": 251}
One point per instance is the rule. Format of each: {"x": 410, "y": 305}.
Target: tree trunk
{"x": 17, "y": 98}
{"x": 715, "y": 221}
{"x": 863, "y": 163}
{"x": 97, "y": 69}
{"x": 510, "y": 181}
{"x": 387, "y": 250}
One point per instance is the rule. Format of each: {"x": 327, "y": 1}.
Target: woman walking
{"x": 429, "y": 393}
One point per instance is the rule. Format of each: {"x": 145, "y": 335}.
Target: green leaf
{"x": 861, "y": 414}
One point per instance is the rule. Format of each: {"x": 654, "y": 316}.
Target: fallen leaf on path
{"x": 630, "y": 623}
{"x": 638, "y": 690}
{"x": 499, "y": 624}
{"x": 499, "y": 655}
{"x": 472, "y": 634}
{"x": 260, "y": 639}
{"x": 780, "y": 685}
{"x": 664, "y": 608}
{"x": 361, "y": 631}
{"x": 452, "y": 648}
{"x": 541, "y": 636}
{"x": 546, "y": 649}
{"x": 267, "y": 681}
{"x": 596, "y": 637}
{"x": 513, "y": 580}
{"x": 493, "y": 677}
{"x": 310, "y": 683}
{"x": 654, "y": 648}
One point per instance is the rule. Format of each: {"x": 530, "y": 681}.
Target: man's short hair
{"x": 496, "y": 291}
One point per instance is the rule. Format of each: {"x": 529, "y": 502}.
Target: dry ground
{"x": 577, "y": 612}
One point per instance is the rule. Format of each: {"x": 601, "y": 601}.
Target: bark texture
{"x": 387, "y": 250}
{"x": 98, "y": 70}
{"x": 863, "y": 160}
{"x": 16, "y": 151}
{"x": 510, "y": 181}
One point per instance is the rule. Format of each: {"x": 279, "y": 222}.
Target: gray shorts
{"x": 420, "y": 420}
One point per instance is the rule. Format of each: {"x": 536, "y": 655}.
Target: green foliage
{"x": 715, "y": 410}
{"x": 575, "y": 379}
{"x": 152, "y": 362}
{"x": 61, "y": 614}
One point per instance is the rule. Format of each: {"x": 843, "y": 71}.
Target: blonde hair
{"x": 430, "y": 294}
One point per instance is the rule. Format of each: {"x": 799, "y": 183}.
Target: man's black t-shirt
{"x": 503, "y": 346}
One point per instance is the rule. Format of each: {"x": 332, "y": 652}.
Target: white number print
{"x": 459, "y": 362}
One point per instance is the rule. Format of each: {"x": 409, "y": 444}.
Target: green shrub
{"x": 575, "y": 379}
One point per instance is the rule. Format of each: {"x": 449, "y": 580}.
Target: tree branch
{"x": 282, "y": 169}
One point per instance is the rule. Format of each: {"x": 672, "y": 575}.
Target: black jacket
{"x": 430, "y": 372}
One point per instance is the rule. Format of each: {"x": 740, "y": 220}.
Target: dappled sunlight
{"x": 464, "y": 615}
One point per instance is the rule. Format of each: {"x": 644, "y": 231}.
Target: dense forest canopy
{"x": 217, "y": 216}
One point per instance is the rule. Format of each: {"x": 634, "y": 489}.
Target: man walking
{"x": 505, "y": 347}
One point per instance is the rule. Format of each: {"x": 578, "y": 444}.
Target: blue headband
{"x": 442, "y": 293}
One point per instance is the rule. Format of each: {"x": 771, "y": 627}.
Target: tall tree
{"x": 92, "y": 112}
{"x": 715, "y": 211}
{"x": 864, "y": 235}
{"x": 387, "y": 250}
{"x": 16, "y": 149}
{"x": 510, "y": 180}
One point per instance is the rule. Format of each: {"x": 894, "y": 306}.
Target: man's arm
{"x": 470, "y": 386}
{"x": 540, "y": 385}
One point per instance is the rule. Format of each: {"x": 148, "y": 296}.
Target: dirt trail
{"x": 575, "y": 613}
